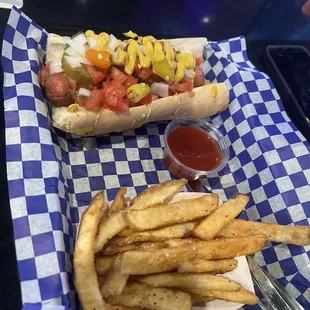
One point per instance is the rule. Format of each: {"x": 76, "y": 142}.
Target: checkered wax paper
{"x": 52, "y": 175}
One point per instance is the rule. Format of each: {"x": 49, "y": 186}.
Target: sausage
{"x": 59, "y": 89}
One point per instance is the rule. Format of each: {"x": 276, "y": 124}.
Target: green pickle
{"x": 79, "y": 75}
{"x": 164, "y": 70}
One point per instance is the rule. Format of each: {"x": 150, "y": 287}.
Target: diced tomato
{"x": 185, "y": 85}
{"x": 113, "y": 92}
{"x": 96, "y": 75}
{"x": 144, "y": 73}
{"x": 137, "y": 68}
{"x": 130, "y": 80}
{"x": 94, "y": 100}
{"x": 118, "y": 75}
{"x": 146, "y": 100}
{"x": 199, "y": 77}
{"x": 198, "y": 60}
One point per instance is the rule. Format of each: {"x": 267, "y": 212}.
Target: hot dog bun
{"x": 200, "y": 102}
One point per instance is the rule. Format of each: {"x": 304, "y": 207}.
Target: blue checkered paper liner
{"x": 52, "y": 175}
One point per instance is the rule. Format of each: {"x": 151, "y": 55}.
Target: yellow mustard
{"x": 151, "y": 52}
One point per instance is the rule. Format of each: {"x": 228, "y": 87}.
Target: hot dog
{"x": 98, "y": 84}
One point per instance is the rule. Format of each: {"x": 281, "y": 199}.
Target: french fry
{"x": 242, "y": 296}
{"x": 157, "y": 194}
{"x": 175, "y": 243}
{"x": 165, "y": 215}
{"x": 190, "y": 280}
{"x": 113, "y": 248}
{"x": 208, "y": 228}
{"x": 103, "y": 264}
{"x": 155, "y": 298}
{"x": 161, "y": 260}
{"x": 126, "y": 232}
{"x": 209, "y": 266}
{"x": 85, "y": 277}
{"x": 114, "y": 224}
{"x": 174, "y": 231}
{"x": 119, "y": 202}
{"x": 197, "y": 299}
{"x": 298, "y": 235}
{"x": 115, "y": 281}
{"x": 108, "y": 228}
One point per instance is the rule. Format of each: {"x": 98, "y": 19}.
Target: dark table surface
{"x": 216, "y": 20}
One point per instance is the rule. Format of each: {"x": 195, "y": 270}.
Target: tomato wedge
{"x": 113, "y": 92}
{"x": 96, "y": 75}
{"x": 146, "y": 100}
{"x": 118, "y": 75}
{"x": 130, "y": 80}
{"x": 199, "y": 77}
{"x": 94, "y": 100}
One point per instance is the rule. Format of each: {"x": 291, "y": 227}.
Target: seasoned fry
{"x": 190, "y": 280}
{"x": 108, "y": 228}
{"x": 157, "y": 194}
{"x": 119, "y": 202}
{"x": 197, "y": 299}
{"x": 242, "y": 296}
{"x": 174, "y": 231}
{"x": 161, "y": 260}
{"x": 208, "y": 228}
{"x": 113, "y": 248}
{"x": 85, "y": 277}
{"x": 299, "y": 235}
{"x": 175, "y": 243}
{"x": 126, "y": 232}
{"x": 115, "y": 281}
{"x": 103, "y": 264}
{"x": 165, "y": 215}
{"x": 208, "y": 266}
{"x": 155, "y": 298}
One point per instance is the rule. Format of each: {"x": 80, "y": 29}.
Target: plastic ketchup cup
{"x": 194, "y": 149}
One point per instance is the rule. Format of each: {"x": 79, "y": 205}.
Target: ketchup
{"x": 194, "y": 148}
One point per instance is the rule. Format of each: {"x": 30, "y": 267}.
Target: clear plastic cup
{"x": 177, "y": 168}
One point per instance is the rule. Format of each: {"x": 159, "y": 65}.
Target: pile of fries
{"x": 147, "y": 253}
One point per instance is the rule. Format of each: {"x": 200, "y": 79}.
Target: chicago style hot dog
{"x": 98, "y": 84}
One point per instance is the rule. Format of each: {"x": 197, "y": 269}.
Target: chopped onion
{"x": 55, "y": 62}
{"x": 80, "y": 39}
{"x": 79, "y": 48}
{"x": 188, "y": 74}
{"x": 142, "y": 49}
{"x": 122, "y": 44}
{"x": 84, "y": 92}
{"x": 92, "y": 42}
{"x": 160, "y": 89}
{"x": 55, "y": 69}
{"x": 71, "y": 52}
{"x": 72, "y": 62}
{"x": 78, "y": 59}
{"x": 113, "y": 42}
{"x": 205, "y": 66}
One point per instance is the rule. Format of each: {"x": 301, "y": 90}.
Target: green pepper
{"x": 137, "y": 92}
{"x": 79, "y": 75}
{"x": 164, "y": 70}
